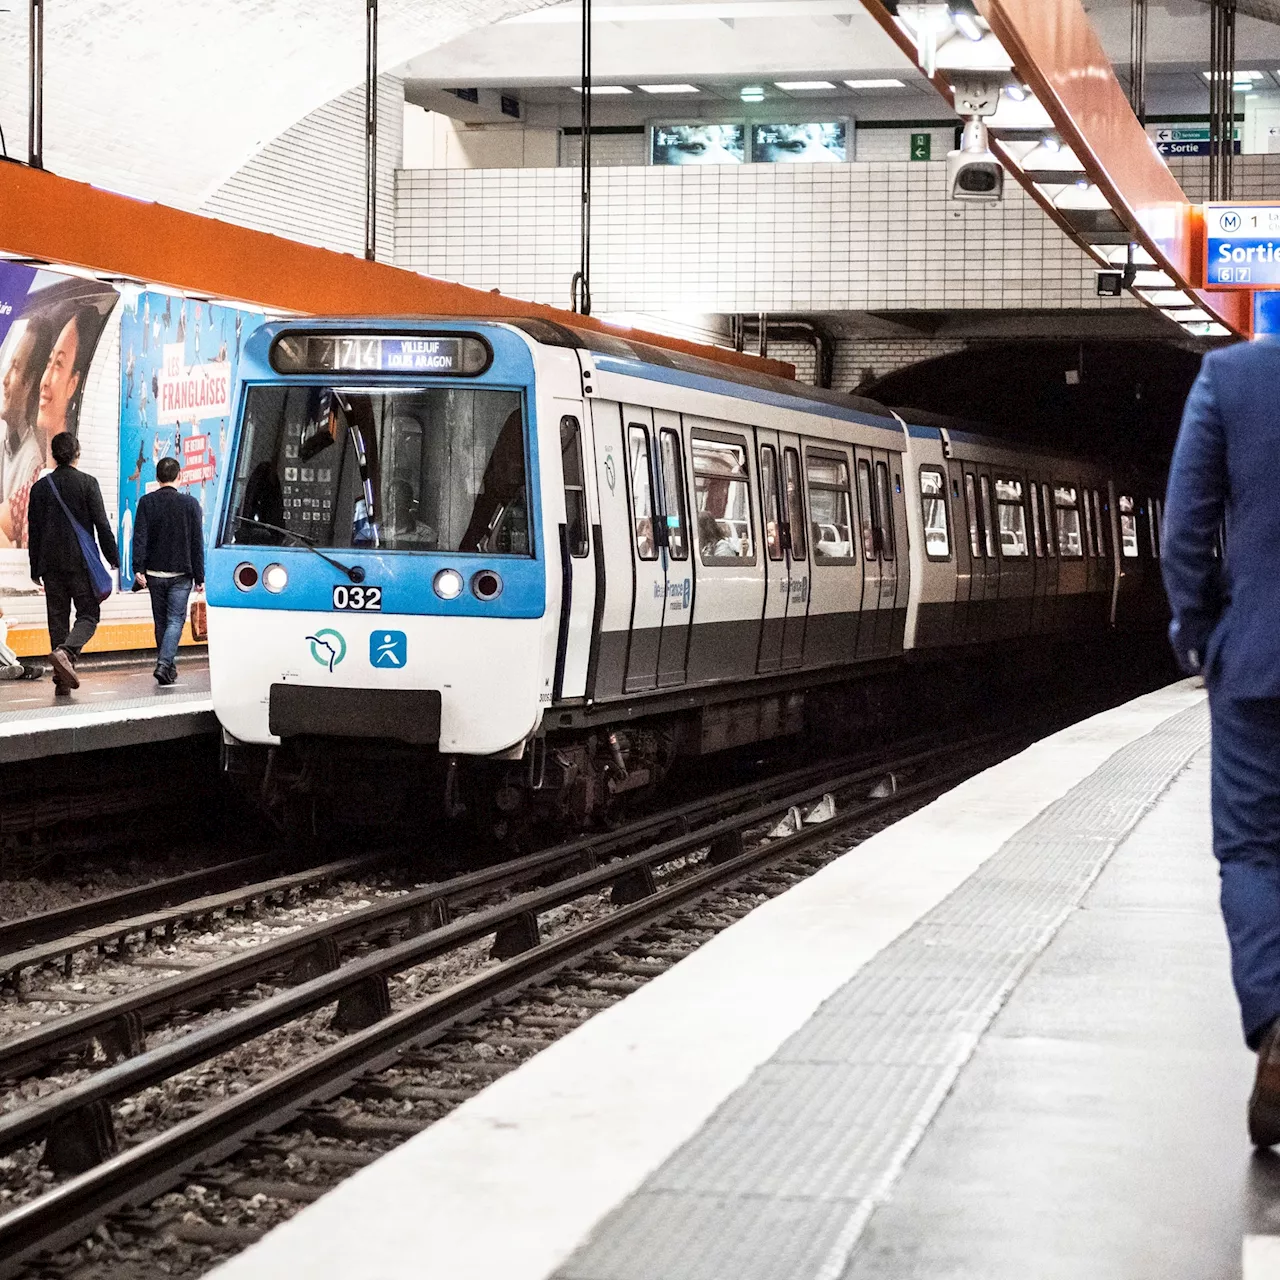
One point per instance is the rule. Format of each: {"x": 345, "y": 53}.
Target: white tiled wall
{"x": 895, "y": 144}
{"x": 607, "y": 149}
{"x": 1256, "y": 177}
{"x": 308, "y": 184}
{"x": 875, "y": 236}
{"x": 860, "y": 359}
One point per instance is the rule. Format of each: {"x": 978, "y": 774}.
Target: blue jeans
{"x": 169, "y": 611}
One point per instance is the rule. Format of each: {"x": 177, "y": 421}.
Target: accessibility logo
{"x": 328, "y": 647}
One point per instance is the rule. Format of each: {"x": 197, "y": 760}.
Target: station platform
{"x": 118, "y": 704}
{"x": 996, "y": 1040}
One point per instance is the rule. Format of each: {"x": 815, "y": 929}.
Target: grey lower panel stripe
{"x": 781, "y": 1179}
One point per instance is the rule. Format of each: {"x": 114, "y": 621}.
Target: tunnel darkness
{"x": 1125, "y": 405}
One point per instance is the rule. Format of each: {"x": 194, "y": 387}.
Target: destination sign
{"x": 1186, "y": 140}
{"x": 439, "y": 354}
{"x": 1242, "y": 246}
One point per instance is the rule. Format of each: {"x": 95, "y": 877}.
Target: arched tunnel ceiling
{"x": 165, "y": 99}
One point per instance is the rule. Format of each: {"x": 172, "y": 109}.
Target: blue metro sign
{"x": 1242, "y": 243}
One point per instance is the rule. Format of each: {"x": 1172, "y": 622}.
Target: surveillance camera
{"x": 1110, "y": 284}
{"x": 973, "y": 173}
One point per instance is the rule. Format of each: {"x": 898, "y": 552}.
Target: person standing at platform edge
{"x": 168, "y": 559}
{"x": 58, "y": 559}
{"x": 1226, "y": 623}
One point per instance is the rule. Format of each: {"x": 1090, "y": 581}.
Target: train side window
{"x": 673, "y": 499}
{"x": 1157, "y": 520}
{"x": 1011, "y": 518}
{"x": 575, "y": 490}
{"x": 1128, "y": 528}
{"x": 971, "y": 494}
{"x": 1036, "y": 536}
{"x": 795, "y": 506}
{"x": 866, "y": 511}
{"x": 1151, "y": 529}
{"x": 771, "y": 505}
{"x": 1068, "y": 520}
{"x": 641, "y": 492}
{"x": 830, "y": 509}
{"x": 1089, "y": 548}
{"x": 1046, "y": 514}
{"x": 1099, "y": 528}
{"x": 984, "y": 517}
{"x": 933, "y": 507}
{"x": 884, "y": 511}
{"x": 722, "y": 497}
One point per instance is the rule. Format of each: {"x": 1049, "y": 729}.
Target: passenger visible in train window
{"x": 714, "y": 538}
{"x": 645, "y": 547}
{"x": 404, "y": 528}
{"x": 722, "y": 493}
{"x": 831, "y": 520}
{"x": 1128, "y": 528}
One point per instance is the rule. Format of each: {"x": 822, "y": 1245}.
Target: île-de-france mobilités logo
{"x": 328, "y": 647}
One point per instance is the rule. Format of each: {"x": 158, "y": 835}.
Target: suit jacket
{"x": 167, "y": 534}
{"x": 51, "y": 541}
{"x": 1226, "y": 467}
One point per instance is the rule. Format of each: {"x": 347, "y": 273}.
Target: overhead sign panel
{"x": 1186, "y": 139}
{"x": 1242, "y": 246}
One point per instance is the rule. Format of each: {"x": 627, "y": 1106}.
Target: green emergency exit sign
{"x": 921, "y": 146}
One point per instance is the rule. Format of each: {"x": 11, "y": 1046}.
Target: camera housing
{"x": 973, "y": 172}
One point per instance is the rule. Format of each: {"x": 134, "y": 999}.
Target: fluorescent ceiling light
{"x": 752, "y": 93}
{"x": 1238, "y": 75}
{"x": 670, "y": 88}
{"x": 793, "y": 86}
{"x": 602, "y": 88}
{"x": 875, "y": 84}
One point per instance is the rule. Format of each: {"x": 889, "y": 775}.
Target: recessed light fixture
{"x": 875, "y": 84}
{"x": 800, "y": 86}
{"x": 965, "y": 17}
{"x": 1018, "y": 92}
{"x": 751, "y": 93}
{"x": 670, "y": 88}
{"x": 602, "y": 89}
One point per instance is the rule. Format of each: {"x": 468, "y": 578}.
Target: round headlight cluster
{"x": 275, "y": 577}
{"x": 448, "y": 584}
{"x": 246, "y": 576}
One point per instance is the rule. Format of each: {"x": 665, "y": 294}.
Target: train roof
{"x": 563, "y": 335}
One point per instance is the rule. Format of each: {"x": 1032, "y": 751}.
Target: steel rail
{"x": 65, "y": 1214}
{"x": 31, "y": 1123}
{"x": 36, "y": 1048}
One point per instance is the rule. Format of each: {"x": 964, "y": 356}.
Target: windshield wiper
{"x": 354, "y": 572}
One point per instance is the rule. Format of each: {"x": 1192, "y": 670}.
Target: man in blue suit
{"x": 1225, "y": 476}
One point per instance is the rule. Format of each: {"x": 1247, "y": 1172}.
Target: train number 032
{"x": 361, "y": 599}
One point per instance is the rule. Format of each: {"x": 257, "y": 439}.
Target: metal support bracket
{"x": 369, "y": 1001}
{"x": 80, "y": 1141}
{"x": 516, "y": 936}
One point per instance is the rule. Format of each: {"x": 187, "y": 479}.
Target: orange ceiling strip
{"x": 1059, "y": 56}
{"x": 52, "y": 219}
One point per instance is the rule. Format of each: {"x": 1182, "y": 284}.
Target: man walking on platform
{"x": 60, "y": 502}
{"x": 1226, "y": 623}
{"x": 168, "y": 559}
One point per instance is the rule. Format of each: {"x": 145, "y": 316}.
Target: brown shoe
{"x": 1264, "y": 1104}
{"x": 64, "y": 673}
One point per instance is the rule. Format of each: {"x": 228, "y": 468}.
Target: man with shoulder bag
{"x": 64, "y": 511}
{"x": 168, "y": 559}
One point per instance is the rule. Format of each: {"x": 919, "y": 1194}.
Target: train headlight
{"x": 246, "y": 576}
{"x": 486, "y": 585}
{"x": 448, "y": 584}
{"x": 275, "y": 577}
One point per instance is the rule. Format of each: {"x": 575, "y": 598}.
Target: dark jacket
{"x": 1226, "y": 612}
{"x": 51, "y": 541}
{"x": 167, "y": 534}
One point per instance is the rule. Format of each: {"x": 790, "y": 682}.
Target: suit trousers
{"x": 1246, "y": 841}
{"x": 61, "y": 590}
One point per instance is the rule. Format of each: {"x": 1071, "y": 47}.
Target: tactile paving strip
{"x": 779, "y": 1182}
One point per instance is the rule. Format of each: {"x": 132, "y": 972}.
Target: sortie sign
{"x": 1242, "y": 246}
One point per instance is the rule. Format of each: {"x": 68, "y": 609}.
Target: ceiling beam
{"x": 46, "y": 218}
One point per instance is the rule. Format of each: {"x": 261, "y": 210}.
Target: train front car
{"x": 378, "y": 587}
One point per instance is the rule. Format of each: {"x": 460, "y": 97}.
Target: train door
{"x": 795, "y": 542}
{"x": 649, "y": 597}
{"x": 673, "y": 530}
{"x": 964, "y": 539}
{"x": 989, "y": 626}
{"x": 869, "y": 553}
{"x": 835, "y": 550}
{"x": 772, "y": 523}
{"x": 978, "y": 533}
{"x": 578, "y": 551}
{"x": 1049, "y": 606}
{"x": 1039, "y": 555}
{"x": 891, "y": 565}
{"x": 1016, "y": 571}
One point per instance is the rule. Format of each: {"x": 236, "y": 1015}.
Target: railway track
{"x": 593, "y": 935}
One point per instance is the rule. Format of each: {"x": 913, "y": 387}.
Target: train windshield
{"x": 414, "y": 469}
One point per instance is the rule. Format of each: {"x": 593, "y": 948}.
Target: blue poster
{"x": 178, "y": 363}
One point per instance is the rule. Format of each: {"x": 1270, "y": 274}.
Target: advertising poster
{"x": 699, "y": 144}
{"x": 821, "y": 143}
{"x": 178, "y": 362}
{"x": 49, "y": 329}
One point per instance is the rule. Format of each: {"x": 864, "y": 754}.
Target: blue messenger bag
{"x": 99, "y": 575}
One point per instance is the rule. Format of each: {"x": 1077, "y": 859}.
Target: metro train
{"x": 529, "y": 567}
